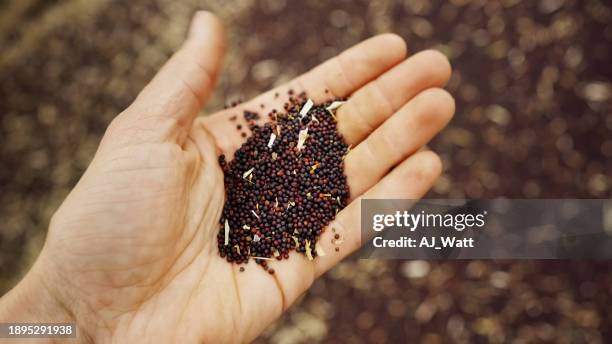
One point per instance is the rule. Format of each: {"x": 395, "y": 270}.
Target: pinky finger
{"x": 409, "y": 180}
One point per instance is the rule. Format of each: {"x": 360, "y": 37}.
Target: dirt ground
{"x": 533, "y": 87}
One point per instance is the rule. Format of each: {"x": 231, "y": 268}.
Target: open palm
{"x": 133, "y": 248}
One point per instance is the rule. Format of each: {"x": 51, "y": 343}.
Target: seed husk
{"x": 308, "y": 250}
{"x": 306, "y": 107}
{"x": 226, "y": 236}
{"x": 335, "y": 105}
{"x": 248, "y": 173}
{"x": 302, "y": 136}
{"x": 271, "y": 142}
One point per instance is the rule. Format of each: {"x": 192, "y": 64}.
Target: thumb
{"x": 182, "y": 86}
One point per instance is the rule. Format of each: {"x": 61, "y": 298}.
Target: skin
{"x": 131, "y": 255}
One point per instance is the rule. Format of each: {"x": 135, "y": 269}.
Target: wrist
{"x": 33, "y": 300}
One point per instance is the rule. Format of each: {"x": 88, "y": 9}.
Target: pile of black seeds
{"x": 281, "y": 192}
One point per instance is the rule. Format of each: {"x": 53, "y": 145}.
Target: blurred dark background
{"x": 532, "y": 80}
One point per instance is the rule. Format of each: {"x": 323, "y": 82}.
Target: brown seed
{"x": 268, "y": 210}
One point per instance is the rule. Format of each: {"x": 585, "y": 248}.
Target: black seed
{"x": 291, "y": 197}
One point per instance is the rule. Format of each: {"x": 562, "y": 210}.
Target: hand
{"x": 131, "y": 255}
